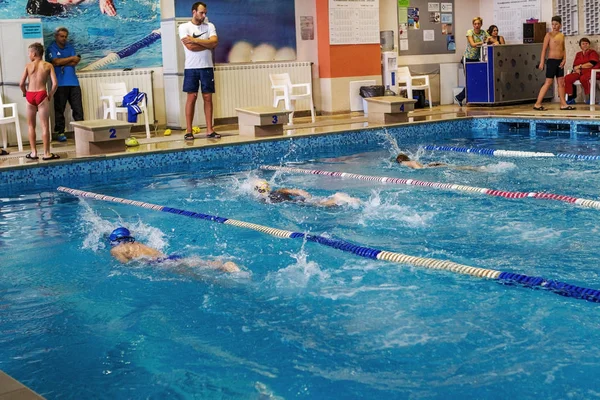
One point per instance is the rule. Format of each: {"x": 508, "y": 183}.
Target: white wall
{"x": 486, "y": 9}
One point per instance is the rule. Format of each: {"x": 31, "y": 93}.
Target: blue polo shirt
{"x": 66, "y": 75}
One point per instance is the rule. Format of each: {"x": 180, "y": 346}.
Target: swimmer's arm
{"x": 436, "y": 165}
{"x": 53, "y": 80}
{"x": 23, "y": 80}
{"x": 544, "y": 48}
{"x": 119, "y": 256}
{"x": 295, "y": 192}
{"x": 564, "y": 50}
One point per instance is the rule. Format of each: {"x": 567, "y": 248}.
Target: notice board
{"x": 426, "y": 27}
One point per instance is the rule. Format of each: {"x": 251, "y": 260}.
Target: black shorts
{"x": 553, "y": 68}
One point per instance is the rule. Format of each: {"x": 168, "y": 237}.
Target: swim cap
{"x": 120, "y": 235}
{"x": 261, "y": 186}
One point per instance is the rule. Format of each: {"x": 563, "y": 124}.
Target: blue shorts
{"x": 193, "y": 77}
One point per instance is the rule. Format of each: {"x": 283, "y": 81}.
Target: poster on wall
{"x": 346, "y": 15}
{"x": 123, "y": 34}
{"x": 413, "y": 18}
{"x": 509, "y": 15}
{"x": 263, "y": 30}
{"x": 307, "y": 28}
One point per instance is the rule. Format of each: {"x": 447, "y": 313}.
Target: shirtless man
{"x": 125, "y": 249}
{"x": 405, "y": 160}
{"x": 38, "y": 99}
{"x": 554, "y": 43}
{"x": 262, "y": 188}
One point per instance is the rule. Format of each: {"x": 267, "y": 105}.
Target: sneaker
{"x": 458, "y": 101}
{"x": 61, "y": 137}
{"x": 571, "y": 102}
{"x": 131, "y": 142}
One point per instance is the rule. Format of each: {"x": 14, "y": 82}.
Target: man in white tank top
{"x": 199, "y": 38}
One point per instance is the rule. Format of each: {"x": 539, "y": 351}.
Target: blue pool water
{"x": 304, "y": 320}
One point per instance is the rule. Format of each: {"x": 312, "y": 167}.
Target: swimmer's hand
{"x": 107, "y": 7}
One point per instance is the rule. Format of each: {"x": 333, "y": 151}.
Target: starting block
{"x": 100, "y": 136}
{"x": 389, "y": 109}
{"x": 261, "y": 121}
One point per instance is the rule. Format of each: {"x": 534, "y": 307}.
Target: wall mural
{"x": 249, "y": 30}
{"x": 109, "y": 34}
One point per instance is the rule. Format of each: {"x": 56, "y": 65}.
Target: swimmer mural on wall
{"x": 249, "y": 30}
{"x": 109, "y": 34}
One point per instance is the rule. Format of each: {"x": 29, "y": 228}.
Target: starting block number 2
{"x": 113, "y": 133}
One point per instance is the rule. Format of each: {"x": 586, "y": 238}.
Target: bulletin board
{"x": 426, "y": 27}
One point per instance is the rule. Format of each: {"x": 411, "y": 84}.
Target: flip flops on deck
{"x": 51, "y": 157}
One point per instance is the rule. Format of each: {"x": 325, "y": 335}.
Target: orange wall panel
{"x": 355, "y": 60}
{"x": 343, "y": 60}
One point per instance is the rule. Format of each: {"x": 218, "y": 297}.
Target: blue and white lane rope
{"x": 440, "y": 185}
{"x": 564, "y": 289}
{"x": 508, "y": 153}
{"x": 126, "y": 52}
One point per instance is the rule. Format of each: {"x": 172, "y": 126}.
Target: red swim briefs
{"x": 35, "y": 98}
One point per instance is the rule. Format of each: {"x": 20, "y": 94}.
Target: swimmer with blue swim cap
{"x": 120, "y": 235}
{"x": 264, "y": 192}
{"x": 125, "y": 249}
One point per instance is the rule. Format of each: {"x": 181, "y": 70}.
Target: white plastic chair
{"x": 111, "y": 96}
{"x": 14, "y": 118}
{"x": 404, "y": 77}
{"x": 283, "y": 90}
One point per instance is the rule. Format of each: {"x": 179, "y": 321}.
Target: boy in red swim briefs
{"x": 38, "y": 99}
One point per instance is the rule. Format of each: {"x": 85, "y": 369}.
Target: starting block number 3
{"x": 275, "y": 119}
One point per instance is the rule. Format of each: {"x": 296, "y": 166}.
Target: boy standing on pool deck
{"x": 554, "y": 42}
{"x": 38, "y": 99}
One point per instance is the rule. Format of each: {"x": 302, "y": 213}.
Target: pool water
{"x": 303, "y": 320}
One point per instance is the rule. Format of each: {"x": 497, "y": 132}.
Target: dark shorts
{"x": 553, "y": 68}
{"x": 192, "y": 78}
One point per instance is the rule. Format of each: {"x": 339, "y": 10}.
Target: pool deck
{"x": 303, "y": 127}
{"x": 11, "y": 389}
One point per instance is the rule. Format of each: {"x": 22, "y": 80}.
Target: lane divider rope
{"x": 561, "y": 288}
{"x": 509, "y": 153}
{"x": 439, "y": 185}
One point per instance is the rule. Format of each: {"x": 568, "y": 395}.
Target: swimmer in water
{"x": 405, "y": 160}
{"x": 125, "y": 249}
{"x": 262, "y": 188}
{"x": 57, "y": 7}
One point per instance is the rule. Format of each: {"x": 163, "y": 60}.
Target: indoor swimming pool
{"x": 304, "y": 320}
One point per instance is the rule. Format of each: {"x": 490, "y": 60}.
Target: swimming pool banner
{"x": 249, "y": 30}
{"x": 99, "y": 28}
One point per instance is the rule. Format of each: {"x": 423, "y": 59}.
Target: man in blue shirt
{"x": 62, "y": 55}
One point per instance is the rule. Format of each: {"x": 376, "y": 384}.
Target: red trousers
{"x": 584, "y": 78}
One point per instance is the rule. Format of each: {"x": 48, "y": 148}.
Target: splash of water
{"x": 96, "y": 229}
